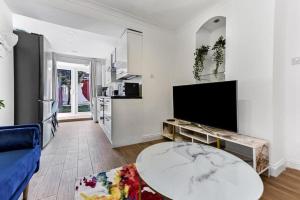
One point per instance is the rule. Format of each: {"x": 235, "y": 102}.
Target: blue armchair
{"x": 20, "y": 153}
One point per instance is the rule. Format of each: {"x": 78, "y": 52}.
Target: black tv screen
{"x": 211, "y": 104}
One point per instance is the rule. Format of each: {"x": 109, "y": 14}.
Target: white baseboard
{"x": 293, "y": 164}
{"x": 144, "y": 138}
{"x": 150, "y": 137}
{"x": 277, "y": 168}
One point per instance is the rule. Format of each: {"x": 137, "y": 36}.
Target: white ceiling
{"x": 171, "y": 14}
{"x": 112, "y": 15}
{"x": 68, "y": 41}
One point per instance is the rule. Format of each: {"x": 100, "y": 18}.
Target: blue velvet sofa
{"x": 20, "y": 153}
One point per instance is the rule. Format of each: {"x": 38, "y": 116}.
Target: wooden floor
{"x": 81, "y": 148}
{"x": 284, "y": 187}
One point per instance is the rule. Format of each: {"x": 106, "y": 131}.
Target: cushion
{"x": 15, "y": 167}
{"x": 18, "y": 138}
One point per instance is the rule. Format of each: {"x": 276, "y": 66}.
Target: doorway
{"x": 73, "y": 90}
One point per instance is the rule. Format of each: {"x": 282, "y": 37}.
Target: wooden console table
{"x": 178, "y": 131}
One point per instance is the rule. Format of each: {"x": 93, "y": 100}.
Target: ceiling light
{"x": 216, "y": 21}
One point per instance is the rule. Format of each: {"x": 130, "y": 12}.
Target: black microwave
{"x": 132, "y": 89}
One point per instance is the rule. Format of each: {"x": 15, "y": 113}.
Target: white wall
{"x": 67, "y": 40}
{"x": 287, "y": 79}
{"x": 6, "y": 68}
{"x": 143, "y": 117}
{"x": 158, "y": 63}
{"x": 279, "y": 73}
{"x": 249, "y": 59}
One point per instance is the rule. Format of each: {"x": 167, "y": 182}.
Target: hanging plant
{"x": 219, "y": 52}
{"x": 200, "y": 55}
{"x": 2, "y": 104}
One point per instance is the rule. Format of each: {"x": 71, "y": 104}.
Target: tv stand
{"x": 196, "y": 125}
{"x": 183, "y": 123}
{"x": 187, "y": 131}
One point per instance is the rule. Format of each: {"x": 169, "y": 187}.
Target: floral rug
{"x": 117, "y": 184}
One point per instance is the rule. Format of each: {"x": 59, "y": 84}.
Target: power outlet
{"x": 296, "y": 61}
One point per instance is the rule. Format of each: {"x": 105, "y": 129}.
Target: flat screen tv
{"x": 211, "y": 104}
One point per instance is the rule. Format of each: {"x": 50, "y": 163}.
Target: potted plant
{"x": 200, "y": 55}
{"x": 2, "y": 105}
{"x": 219, "y": 53}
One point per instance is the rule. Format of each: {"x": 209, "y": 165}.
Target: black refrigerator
{"x": 34, "y": 79}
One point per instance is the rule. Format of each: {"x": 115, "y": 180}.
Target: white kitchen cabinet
{"x": 106, "y": 72}
{"x": 129, "y": 55}
{"x": 103, "y": 75}
{"x": 108, "y": 75}
{"x": 104, "y": 115}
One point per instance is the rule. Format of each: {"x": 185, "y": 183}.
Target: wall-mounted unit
{"x": 7, "y": 42}
{"x": 109, "y": 70}
{"x": 129, "y": 55}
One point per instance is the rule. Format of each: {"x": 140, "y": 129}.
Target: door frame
{"x": 74, "y": 68}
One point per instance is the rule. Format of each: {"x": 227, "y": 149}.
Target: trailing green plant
{"x": 200, "y": 56}
{"x": 2, "y": 105}
{"x": 219, "y": 52}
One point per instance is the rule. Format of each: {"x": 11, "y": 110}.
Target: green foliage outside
{"x": 2, "y": 105}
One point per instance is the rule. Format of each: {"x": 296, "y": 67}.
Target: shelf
{"x": 211, "y": 140}
{"x": 197, "y": 136}
{"x": 182, "y": 138}
{"x": 178, "y": 131}
{"x": 200, "y": 138}
{"x": 243, "y": 157}
{"x": 168, "y": 131}
{"x": 169, "y": 136}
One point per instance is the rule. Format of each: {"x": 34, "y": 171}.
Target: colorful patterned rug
{"x": 117, "y": 184}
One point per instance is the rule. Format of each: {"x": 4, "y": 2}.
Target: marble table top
{"x": 188, "y": 171}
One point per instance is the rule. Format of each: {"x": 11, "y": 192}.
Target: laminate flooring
{"x": 81, "y": 148}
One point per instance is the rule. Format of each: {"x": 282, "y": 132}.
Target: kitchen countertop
{"x": 125, "y": 97}
{"x": 120, "y": 97}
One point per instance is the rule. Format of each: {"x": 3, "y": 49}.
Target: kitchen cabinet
{"x": 103, "y": 75}
{"x": 108, "y": 75}
{"x": 104, "y": 115}
{"x": 106, "y": 72}
{"x": 107, "y": 117}
{"x": 98, "y": 72}
{"x": 129, "y": 55}
{"x": 100, "y": 114}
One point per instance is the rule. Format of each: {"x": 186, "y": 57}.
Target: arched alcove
{"x": 208, "y": 34}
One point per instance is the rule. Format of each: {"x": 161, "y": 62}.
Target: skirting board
{"x": 277, "y": 168}
{"x": 144, "y": 138}
{"x": 150, "y": 137}
{"x": 293, "y": 164}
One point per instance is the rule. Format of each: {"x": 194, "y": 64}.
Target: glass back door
{"x": 83, "y": 92}
{"x": 73, "y": 91}
{"x": 64, "y": 89}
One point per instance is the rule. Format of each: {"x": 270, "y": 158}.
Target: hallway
{"x": 78, "y": 149}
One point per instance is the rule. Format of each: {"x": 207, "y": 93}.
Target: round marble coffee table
{"x": 190, "y": 171}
